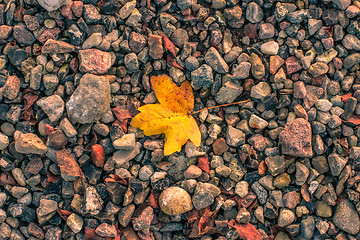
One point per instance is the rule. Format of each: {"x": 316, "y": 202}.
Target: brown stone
{"x": 54, "y": 46}
{"x": 49, "y": 34}
{"x": 291, "y": 199}
{"x": 293, "y": 65}
{"x": 275, "y": 63}
{"x": 155, "y": 46}
{"x": 11, "y": 88}
{"x": 136, "y": 42}
{"x": 295, "y": 138}
{"x": 175, "y": 201}
{"x": 57, "y": 139}
{"x": 220, "y": 146}
{"x": 23, "y": 36}
{"x": 77, "y": 8}
{"x": 94, "y": 61}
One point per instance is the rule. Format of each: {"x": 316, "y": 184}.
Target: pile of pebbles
{"x": 287, "y": 161}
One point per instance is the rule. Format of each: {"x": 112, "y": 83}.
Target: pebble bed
{"x": 285, "y": 161}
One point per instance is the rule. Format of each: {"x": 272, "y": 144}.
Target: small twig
{"x": 223, "y": 105}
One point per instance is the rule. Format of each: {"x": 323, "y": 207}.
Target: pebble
{"x": 203, "y": 76}
{"x": 346, "y": 217}
{"x": 215, "y": 61}
{"x": 75, "y": 222}
{"x": 257, "y": 66}
{"x": 53, "y": 106}
{"x": 175, "y": 201}
{"x": 30, "y": 143}
{"x": 296, "y": 142}
{"x": 90, "y": 100}
{"x": 94, "y": 61}
{"x": 270, "y": 48}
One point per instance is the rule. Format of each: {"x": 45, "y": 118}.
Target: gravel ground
{"x": 285, "y": 164}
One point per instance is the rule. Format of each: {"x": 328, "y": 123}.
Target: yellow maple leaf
{"x": 172, "y": 115}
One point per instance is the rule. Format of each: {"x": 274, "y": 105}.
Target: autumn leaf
{"x": 172, "y": 115}
{"x": 354, "y": 119}
{"x": 345, "y": 97}
{"x": 246, "y": 231}
{"x": 203, "y": 164}
{"x": 67, "y": 164}
{"x": 168, "y": 45}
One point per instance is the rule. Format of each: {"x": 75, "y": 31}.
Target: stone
{"x": 131, "y": 62}
{"x": 257, "y": 122}
{"x": 293, "y": 64}
{"x": 32, "y": 22}
{"x": 91, "y": 14}
{"x": 346, "y": 217}
{"x": 184, "y": 4}
{"x": 275, "y": 164}
{"x": 46, "y": 207}
{"x": 123, "y": 156}
{"x": 53, "y": 106}
{"x": 106, "y": 230}
{"x": 215, "y": 61}
{"x": 5, "y": 31}
{"x": 203, "y": 76}
{"x": 52, "y": 5}
{"x": 126, "y": 214}
{"x": 257, "y": 66}
{"x": 254, "y": 13}
{"x": 155, "y": 46}
{"x": 75, "y": 222}
{"x": 235, "y": 137}
{"x": 275, "y": 63}
{"x": 4, "y": 141}
{"x": 23, "y": 36}
{"x": 55, "y": 46}
{"x": 175, "y": 201}
{"x": 204, "y": 195}
{"x": 318, "y": 69}
{"x": 137, "y": 42}
{"x": 351, "y": 42}
{"x": 261, "y": 90}
{"x": 241, "y": 71}
{"x": 336, "y": 163}
{"x": 92, "y": 202}
{"x": 295, "y": 138}
{"x": 286, "y": 217}
{"x": 342, "y": 4}
{"x": 193, "y": 172}
{"x": 127, "y": 9}
{"x": 270, "y": 48}
{"x": 126, "y": 142}
{"x": 228, "y": 93}
{"x": 179, "y": 37}
{"x": 11, "y": 88}
{"x": 94, "y": 61}
{"x": 29, "y": 143}
{"x": 90, "y": 100}
{"x": 93, "y": 40}
{"x": 242, "y": 189}
{"x": 143, "y": 221}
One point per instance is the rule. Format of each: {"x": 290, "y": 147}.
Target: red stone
{"x": 49, "y": 34}
{"x": 220, "y": 146}
{"x": 250, "y": 30}
{"x": 293, "y": 65}
{"x": 67, "y": 12}
{"x": 77, "y": 8}
{"x": 98, "y": 155}
{"x": 291, "y": 199}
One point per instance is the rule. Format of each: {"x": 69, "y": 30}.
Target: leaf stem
{"x": 223, "y": 105}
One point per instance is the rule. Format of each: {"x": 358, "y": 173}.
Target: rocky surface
{"x": 282, "y": 161}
